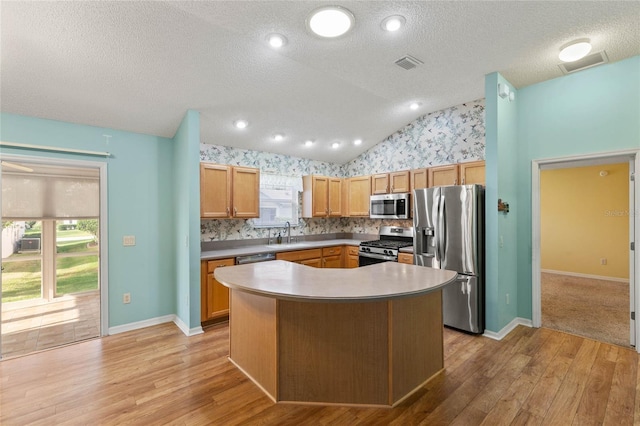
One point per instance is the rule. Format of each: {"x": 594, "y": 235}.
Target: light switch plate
{"x": 129, "y": 240}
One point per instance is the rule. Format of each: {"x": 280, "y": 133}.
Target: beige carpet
{"x": 596, "y": 309}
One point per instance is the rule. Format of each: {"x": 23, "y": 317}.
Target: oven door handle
{"x": 379, "y": 256}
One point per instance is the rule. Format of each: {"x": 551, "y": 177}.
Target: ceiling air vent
{"x": 584, "y": 63}
{"x": 408, "y": 62}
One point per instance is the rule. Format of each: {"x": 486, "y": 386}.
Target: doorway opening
{"x": 51, "y": 254}
{"x": 584, "y": 266}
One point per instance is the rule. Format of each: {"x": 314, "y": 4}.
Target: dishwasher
{"x": 254, "y": 258}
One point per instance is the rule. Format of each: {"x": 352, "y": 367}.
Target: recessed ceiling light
{"x": 330, "y": 21}
{"x": 308, "y": 143}
{"x": 357, "y": 142}
{"x": 278, "y": 137}
{"x": 393, "y": 23}
{"x": 415, "y": 105}
{"x": 241, "y": 124}
{"x": 335, "y": 145}
{"x": 575, "y": 50}
{"x": 276, "y": 40}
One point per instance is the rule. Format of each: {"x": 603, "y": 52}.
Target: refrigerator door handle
{"x": 441, "y": 228}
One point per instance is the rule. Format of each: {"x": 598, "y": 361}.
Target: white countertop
{"x": 274, "y": 248}
{"x": 292, "y": 281}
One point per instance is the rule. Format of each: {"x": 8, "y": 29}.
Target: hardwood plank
{"x": 157, "y": 375}
{"x": 620, "y": 406}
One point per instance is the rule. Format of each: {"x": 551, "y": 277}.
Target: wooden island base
{"x": 352, "y": 353}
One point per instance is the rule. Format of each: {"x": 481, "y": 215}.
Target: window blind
{"x": 51, "y": 193}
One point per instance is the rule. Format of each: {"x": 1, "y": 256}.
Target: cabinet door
{"x": 405, "y": 258}
{"x": 380, "y": 184}
{"x": 335, "y": 197}
{"x": 246, "y": 192}
{"x": 217, "y": 295}
{"x": 359, "y": 192}
{"x": 399, "y": 182}
{"x": 320, "y": 196}
{"x": 215, "y": 190}
{"x": 443, "y": 175}
{"x": 315, "y": 263}
{"x": 419, "y": 179}
{"x": 332, "y": 262}
{"x": 472, "y": 172}
{"x": 352, "y": 262}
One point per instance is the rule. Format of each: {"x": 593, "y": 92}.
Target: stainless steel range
{"x": 392, "y": 239}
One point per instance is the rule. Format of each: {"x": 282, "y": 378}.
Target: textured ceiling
{"x": 138, "y": 66}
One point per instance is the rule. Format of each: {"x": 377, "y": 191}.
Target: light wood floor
{"x": 159, "y": 376}
{"x": 30, "y": 327}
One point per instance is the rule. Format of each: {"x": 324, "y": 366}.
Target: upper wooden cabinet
{"x": 469, "y": 173}
{"x": 356, "y": 194}
{"x": 229, "y": 192}
{"x": 391, "y": 183}
{"x": 419, "y": 179}
{"x": 472, "y": 173}
{"x": 245, "y": 192}
{"x": 321, "y": 196}
{"x": 443, "y": 175}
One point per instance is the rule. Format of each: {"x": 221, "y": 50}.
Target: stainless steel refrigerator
{"x": 449, "y": 234}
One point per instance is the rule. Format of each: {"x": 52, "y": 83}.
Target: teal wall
{"x": 186, "y": 160}
{"x": 501, "y": 229}
{"x": 140, "y": 203}
{"x": 591, "y": 111}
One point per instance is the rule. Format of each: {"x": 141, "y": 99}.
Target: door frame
{"x": 104, "y": 221}
{"x": 633, "y": 156}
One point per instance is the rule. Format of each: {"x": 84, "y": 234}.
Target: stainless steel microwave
{"x": 390, "y": 206}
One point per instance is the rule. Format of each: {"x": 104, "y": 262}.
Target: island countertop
{"x": 291, "y": 281}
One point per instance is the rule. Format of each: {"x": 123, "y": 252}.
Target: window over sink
{"x": 278, "y": 200}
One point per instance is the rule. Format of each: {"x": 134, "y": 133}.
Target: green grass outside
{"x": 22, "y": 280}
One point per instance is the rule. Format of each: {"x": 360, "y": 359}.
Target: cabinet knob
{"x": 455, "y": 181}
{"x": 463, "y": 181}
{"x": 235, "y": 211}
{"x": 227, "y": 211}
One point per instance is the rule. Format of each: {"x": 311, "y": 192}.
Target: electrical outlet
{"x": 129, "y": 240}
{"x": 603, "y": 261}
{"x": 126, "y": 298}
{"x": 501, "y": 241}
{"x": 507, "y": 298}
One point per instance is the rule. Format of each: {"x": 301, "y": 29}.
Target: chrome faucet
{"x": 287, "y": 226}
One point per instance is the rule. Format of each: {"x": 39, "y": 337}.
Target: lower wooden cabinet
{"x": 405, "y": 258}
{"x": 214, "y": 297}
{"x": 306, "y": 257}
{"x": 332, "y": 257}
{"x": 351, "y": 257}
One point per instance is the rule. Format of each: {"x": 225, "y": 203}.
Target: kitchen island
{"x": 364, "y": 336}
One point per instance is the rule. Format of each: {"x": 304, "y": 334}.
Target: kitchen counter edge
{"x": 275, "y": 248}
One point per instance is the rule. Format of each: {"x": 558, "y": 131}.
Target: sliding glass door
{"x": 50, "y": 256}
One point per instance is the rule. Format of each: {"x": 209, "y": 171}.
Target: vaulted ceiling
{"x": 139, "y": 65}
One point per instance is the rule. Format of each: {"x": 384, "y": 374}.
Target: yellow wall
{"x": 584, "y": 218}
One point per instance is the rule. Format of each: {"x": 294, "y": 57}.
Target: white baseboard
{"x": 579, "y": 275}
{"x": 141, "y": 324}
{"x": 156, "y": 321}
{"x": 186, "y": 330}
{"x": 508, "y": 328}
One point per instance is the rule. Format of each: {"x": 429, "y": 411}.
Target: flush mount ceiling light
{"x": 335, "y": 145}
{"x": 415, "y": 105}
{"x": 392, "y": 23}
{"x": 575, "y": 50}
{"x": 308, "y": 143}
{"x": 330, "y": 21}
{"x": 278, "y": 137}
{"x": 357, "y": 142}
{"x": 241, "y": 124}
{"x": 276, "y": 40}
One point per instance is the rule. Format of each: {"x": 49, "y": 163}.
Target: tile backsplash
{"x": 452, "y": 135}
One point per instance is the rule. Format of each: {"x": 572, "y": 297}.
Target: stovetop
{"x": 388, "y": 244}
